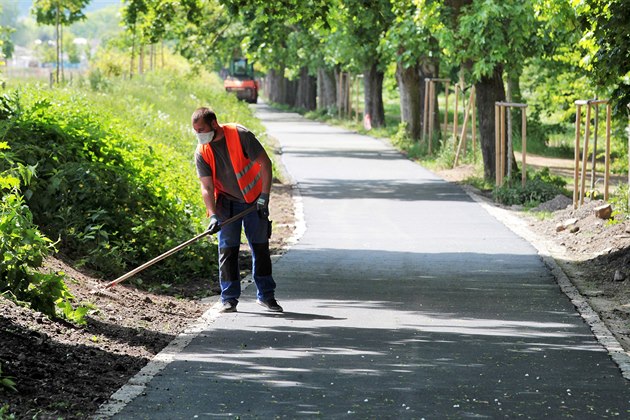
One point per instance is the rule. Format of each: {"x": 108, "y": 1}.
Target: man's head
{"x": 205, "y": 115}
{"x": 204, "y": 122}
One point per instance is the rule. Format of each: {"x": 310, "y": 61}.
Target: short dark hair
{"x": 207, "y": 114}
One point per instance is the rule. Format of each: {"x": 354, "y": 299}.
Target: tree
{"x": 201, "y": 37}
{"x": 59, "y": 13}
{"x": 609, "y": 39}
{"x": 6, "y": 44}
{"x": 555, "y": 73}
{"x": 281, "y": 36}
{"x": 362, "y": 24}
{"x": 416, "y": 52}
{"x": 487, "y": 38}
{"x": 8, "y": 18}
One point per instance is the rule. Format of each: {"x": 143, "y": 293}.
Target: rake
{"x": 171, "y": 252}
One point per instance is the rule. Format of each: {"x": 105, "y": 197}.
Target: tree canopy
{"x": 562, "y": 49}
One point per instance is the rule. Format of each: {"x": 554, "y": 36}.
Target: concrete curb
{"x": 546, "y": 252}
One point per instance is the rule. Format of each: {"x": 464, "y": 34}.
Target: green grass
{"x": 137, "y": 138}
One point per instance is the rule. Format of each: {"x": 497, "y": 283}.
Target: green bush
{"x": 540, "y": 187}
{"x": 621, "y": 205}
{"x": 99, "y": 188}
{"x": 412, "y": 148}
{"x": 23, "y": 248}
{"x": 116, "y": 183}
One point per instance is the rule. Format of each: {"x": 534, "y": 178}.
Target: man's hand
{"x": 214, "y": 225}
{"x": 262, "y": 205}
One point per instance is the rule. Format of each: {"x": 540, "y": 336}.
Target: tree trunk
{"x": 290, "y": 92}
{"x": 141, "y": 59}
{"x": 151, "y": 56}
{"x": 275, "y": 89}
{"x": 133, "y": 52}
{"x": 326, "y": 88}
{"x": 281, "y": 90}
{"x": 509, "y": 137}
{"x": 373, "y": 79}
{"x": 63, "y": 78}
{"x": 513, "y": 81}
{"x": 306, "y": 91}
{"x": 410, "y": 99}
{"x": 489, "y": 90}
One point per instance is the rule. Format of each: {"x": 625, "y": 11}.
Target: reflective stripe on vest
{"x": 247, "y": 171}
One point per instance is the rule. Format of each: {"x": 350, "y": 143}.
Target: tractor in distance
{"x": 240, "y": 80}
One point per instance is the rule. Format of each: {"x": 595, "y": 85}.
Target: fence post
{"x": 587, "y": 134}
{"x": 576, "y": 153}
{"x": 524, "y": 146}
{"x": 607, "y": 157}
{"x": 497, "y": 143}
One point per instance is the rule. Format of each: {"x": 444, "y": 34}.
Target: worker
{"x": 235, "y": 173}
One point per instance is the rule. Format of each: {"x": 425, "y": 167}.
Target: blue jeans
{"x": 257, "y": 231}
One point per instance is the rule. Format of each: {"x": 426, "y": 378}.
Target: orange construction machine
{"x": 240, "y": 80}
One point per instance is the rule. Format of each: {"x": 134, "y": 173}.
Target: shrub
{"x": 540, "y": 187}
{"x": 116, "y": 183}
{"x": 98, "y": 189}
{"x": 621, "y": 205}
{"x": 23, "y": 248}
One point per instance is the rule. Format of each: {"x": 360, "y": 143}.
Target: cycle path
{"x": 404, "y": 298}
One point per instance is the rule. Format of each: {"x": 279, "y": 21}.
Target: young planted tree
{"x": 59, "y": 13}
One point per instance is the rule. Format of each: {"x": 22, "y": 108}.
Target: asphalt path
{"x": 404, "y": 298}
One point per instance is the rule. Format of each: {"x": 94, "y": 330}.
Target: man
{"x": 235, "y": 174}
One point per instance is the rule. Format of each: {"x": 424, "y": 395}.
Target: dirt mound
{"x": 595, "y": 255}
{"x": 559, "y": 202}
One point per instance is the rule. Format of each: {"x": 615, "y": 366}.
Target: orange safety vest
{"x": 247, "y": 171}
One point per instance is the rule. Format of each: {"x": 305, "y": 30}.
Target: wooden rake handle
{"x": 174, "y": 250}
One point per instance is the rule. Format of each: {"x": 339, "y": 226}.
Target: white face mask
{"x": 204, "y": 138}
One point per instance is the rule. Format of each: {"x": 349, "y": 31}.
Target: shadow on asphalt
{"x": 424, "y": 190}
{"x": 294, "y": 316}
{"x": 434, "y": 365}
